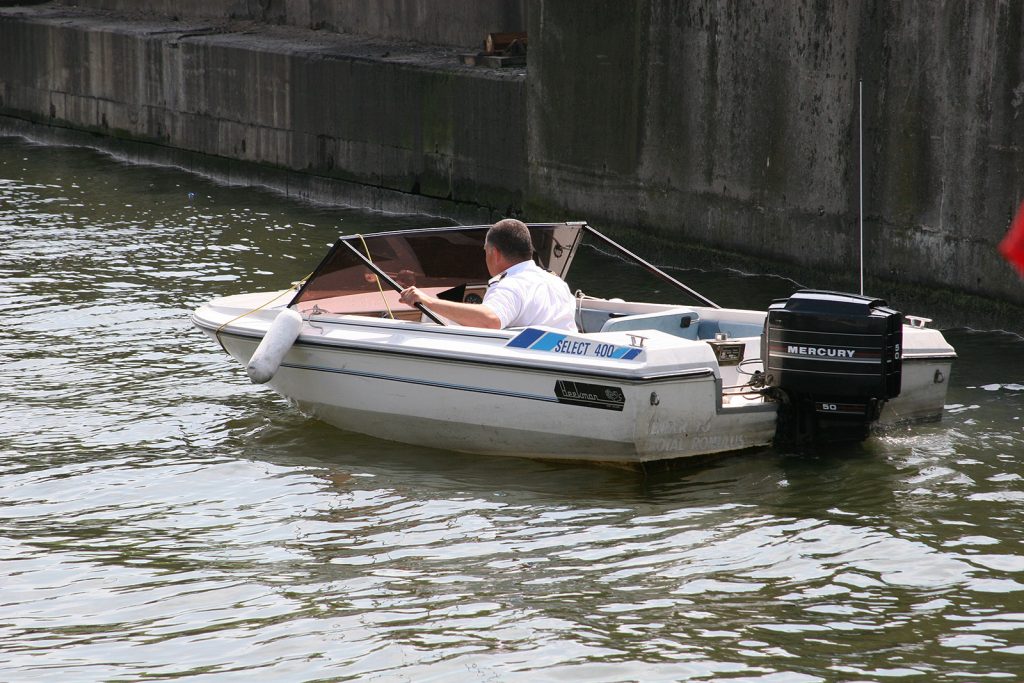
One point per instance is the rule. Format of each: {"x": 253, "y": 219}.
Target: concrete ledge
{"x": 401, "y": 120}
{"x": 442, "y": 22}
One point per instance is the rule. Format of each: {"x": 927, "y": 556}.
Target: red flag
{"x": 1012, "y": 246}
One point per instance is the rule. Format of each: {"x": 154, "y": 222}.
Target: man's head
{"x": 511, "y": 240}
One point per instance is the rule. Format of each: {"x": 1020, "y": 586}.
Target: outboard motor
{"x": 832, "y": 360}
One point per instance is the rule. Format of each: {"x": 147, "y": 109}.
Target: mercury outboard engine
{"x": 832, "y": 360}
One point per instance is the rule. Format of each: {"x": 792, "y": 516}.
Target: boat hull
{"x": 513, "y": 411}
{"x": 923, "y": 394}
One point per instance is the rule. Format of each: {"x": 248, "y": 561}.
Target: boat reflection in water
{"x": 640, "y": 382}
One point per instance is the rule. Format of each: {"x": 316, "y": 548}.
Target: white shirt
{"x": 526, "y": 294}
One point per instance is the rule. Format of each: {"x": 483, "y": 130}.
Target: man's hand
{"x": 412, "y": 295}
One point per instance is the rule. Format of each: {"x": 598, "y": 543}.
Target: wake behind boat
{"x": 639, "y": 382}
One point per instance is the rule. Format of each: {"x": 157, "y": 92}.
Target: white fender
{"x": 276, "y": 342}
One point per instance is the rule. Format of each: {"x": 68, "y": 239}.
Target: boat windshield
{"x": 438, "y": 259}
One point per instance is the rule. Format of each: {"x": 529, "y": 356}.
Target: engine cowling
{"x": 832, "y": 360}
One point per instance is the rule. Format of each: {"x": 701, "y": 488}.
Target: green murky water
{"x": 161, "y": 518}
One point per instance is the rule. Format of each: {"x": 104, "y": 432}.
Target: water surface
{"x": 161, "y": 518}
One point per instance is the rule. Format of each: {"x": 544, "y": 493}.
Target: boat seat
{"x": 679, "y": 322}
{"x": 591, "y": 320}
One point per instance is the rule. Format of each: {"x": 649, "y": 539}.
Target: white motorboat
{"x": 640, "y": 382}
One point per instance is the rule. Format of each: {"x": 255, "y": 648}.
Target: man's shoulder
{"x": 518, "y": 272}
{"x": 528, "y": 269}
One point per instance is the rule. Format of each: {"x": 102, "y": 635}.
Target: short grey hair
{"x": 512, "y": 238}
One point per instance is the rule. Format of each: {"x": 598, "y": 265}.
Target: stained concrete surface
{"x": 401, "y": 117}
{"x": 718, "y": 126}
{"x": 735, "y": 125}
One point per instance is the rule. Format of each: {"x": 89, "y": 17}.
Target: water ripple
{"x": 161, "y": 518}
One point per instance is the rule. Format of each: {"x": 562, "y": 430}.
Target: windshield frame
{"x": 355, "y": 263}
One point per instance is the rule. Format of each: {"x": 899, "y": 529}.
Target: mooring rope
{"x": 277, "y": 295}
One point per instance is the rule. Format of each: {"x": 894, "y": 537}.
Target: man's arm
{"x": 473, "y": 315}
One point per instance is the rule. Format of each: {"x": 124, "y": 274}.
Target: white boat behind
{"x": 640, "y": 381}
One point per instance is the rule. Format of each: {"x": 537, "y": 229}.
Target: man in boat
{"x": 519, "y": 294}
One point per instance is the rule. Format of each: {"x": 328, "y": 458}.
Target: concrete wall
{"x": 734, "y": 124}
{"x": 352, "y": 110}
{"x": 442, "y": 22}
{"x": 721, "y": 123}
